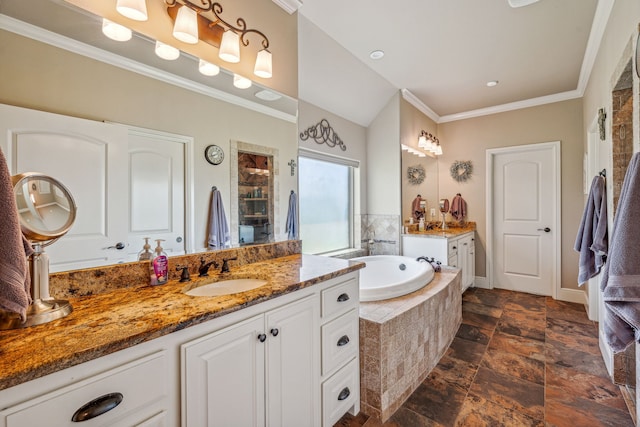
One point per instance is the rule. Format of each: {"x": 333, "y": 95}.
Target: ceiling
{"x": 440, "y": 53}
{"x": 443, "y": 52}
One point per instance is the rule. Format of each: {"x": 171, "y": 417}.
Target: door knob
{"x": 546, "y": 229}
{"x": 119, "y": 246}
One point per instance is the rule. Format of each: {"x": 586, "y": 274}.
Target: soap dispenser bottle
{"x": 145, "y": 254}
{"x": 160, "y": 265}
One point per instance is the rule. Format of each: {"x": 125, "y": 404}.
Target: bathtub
{"x": 390, "y": 276}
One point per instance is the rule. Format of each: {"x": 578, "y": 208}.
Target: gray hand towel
{"x": 591, "y": 241}
{"x": 621, "y": 278}
{"x": 15, "y": 282}
{"x": 218, "y": 228}
{"x": 291, "y": 226}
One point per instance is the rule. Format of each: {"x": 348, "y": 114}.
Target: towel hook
{"x": 214, "y": 188}
{"x": 603, "y": 173}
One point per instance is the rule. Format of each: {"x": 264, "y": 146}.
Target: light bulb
{"x": 167, "y": 52}
{"x": 230, "y": 47}
{"x": 186, "y": 27}
{"x": 208, "y": 69}
{"x": 115, "y": 31}
{"x": 133, "y": 9}
{"x": 241, "y": 82}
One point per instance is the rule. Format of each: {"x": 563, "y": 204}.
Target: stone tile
{"x": 526, "y": 302}
{"x": 523, "y": 346}
{"x": 509, "y": 392}
{"x": 468, "y": 351}
{"x": 578, "y": 336}
{"x": 562, "y": 355}
{"x": 520, "y": 328}
{"x": 349, "y": 420}
{"x": 456, "y": 372}
{"x": 479, "y": 308}
{"x": 567, "y": 311}
{"x": 405, "y": 418}
{"x": 474, "y": 333}
{"x": 492, "y": 298}
{"x": 437, "y": 400}
{"x": 515, "y": 365}
{"x": 480, "y": 320}
{"x": 581, "y": 412}
{"x": 477, "y": 411}
{"x": 570, "y": 385}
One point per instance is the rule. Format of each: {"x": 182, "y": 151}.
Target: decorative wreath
{"x": 415, "y": 174}
{"x": 461, "y": 170}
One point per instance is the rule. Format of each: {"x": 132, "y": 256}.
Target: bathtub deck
{"x": 402, "y": 339}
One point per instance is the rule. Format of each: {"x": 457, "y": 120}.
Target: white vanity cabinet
{"x": 261, "y": 371}
{"x": 454, "y": 251}
{"x": 292, "y": 360}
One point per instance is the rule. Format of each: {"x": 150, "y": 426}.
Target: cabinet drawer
{"x": 452, "y": 247}
{"x": 340, "y": 392}
{"x": 339, "y": 341}
{"x": 340, "y": 298}
{"x": 141, "y": 383}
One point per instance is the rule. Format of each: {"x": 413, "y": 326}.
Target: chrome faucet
{"x": 225, "y": 264}
{"x": 203, "y": 269}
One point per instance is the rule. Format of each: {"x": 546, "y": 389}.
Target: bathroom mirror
{"x": 46, "y": 211}
{"x": 133, "y": 98}
{"x": 426, "y": 186}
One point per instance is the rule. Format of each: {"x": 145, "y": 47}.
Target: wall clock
{"x": 214, "y": 154}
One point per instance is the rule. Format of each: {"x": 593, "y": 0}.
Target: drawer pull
{"x": 343, "y": 297}
{"x": 345, "y": 393}
{"x": 344, "y": 340}
{"x": 275, "y": 332}
{"x": 455, "y": 247}
{"x": 97, "y": 407}
{"x": 262, "y": 337}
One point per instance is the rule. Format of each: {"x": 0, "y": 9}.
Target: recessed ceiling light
{"x": 376, "y": 54}
{"x": 492, "y": 83}
{"x": 267, "y": 95}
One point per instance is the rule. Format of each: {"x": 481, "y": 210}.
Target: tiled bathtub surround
{"x": 384, "y": 230}
{"x": 402, "y": 339}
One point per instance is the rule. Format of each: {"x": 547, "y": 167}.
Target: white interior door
{"x": 156, "y": 191}
{"x": 525, "y": 218}
{"x": 41, "y": 142}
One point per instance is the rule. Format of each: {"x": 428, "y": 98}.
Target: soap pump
{"x": 160, "y": 265}
{"x": 145, "y": 254}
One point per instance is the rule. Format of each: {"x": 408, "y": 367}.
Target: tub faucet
{"x": 423, "y": 258}
{"x": 203, "y": 269}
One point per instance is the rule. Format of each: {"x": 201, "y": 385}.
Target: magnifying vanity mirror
{"x": 46, "y": 211}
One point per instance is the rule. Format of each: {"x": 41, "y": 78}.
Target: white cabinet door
{"x": 40, "y": 142}
{"x": 223, "y": 377}
{"x": 293, "y": 365}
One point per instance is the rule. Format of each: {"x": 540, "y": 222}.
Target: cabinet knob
{"x": 344, "y": 340}
{"x": 275, "y": 332}
{"x": 345, "y": 393}
{"x": 262, "y": 337}
{"x": 343, "y": 297}
{"x": 455, "y": 247}
{"x": 97, "y": 407}
{"x": 464, "y": 244}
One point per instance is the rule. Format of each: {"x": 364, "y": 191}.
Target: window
{"x": 326, "y": 203}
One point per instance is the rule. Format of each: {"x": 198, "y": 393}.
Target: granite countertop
{"x": 453, "y": 230}
{"x": 107, "y": 322}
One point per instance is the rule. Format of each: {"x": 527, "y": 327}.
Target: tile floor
{"x": 517, "y": 360}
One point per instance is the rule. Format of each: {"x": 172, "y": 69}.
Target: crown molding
{"x": 598, "y": 27}
{"x": 289, "y": 6}
{"x": 518, "y": 105}
{"x": 33, "y": 32}
{"x": 408, "y": 96}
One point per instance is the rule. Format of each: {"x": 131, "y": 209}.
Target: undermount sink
{"x": 226, "y": 287}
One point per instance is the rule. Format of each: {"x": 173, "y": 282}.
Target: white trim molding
{"x": 289, "y": 6}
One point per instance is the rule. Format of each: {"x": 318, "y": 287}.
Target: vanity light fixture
{"x": 133, "y": 9}
{"x": 115, "y": 31}
{"x": 429, "y": 142}
{"x": 194, "y": 26}
{"x": 167, "y": 52}
{"x": 207, "y": 68}
{"x": 241, "y": 82}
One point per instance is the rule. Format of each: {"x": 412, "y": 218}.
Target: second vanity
{"x": 454, "y": 247}
{"x": 283, "y": 354}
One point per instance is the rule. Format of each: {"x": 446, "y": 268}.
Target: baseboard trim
{"x": 572, "y": 295}
{"x": 481, "y": 282}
